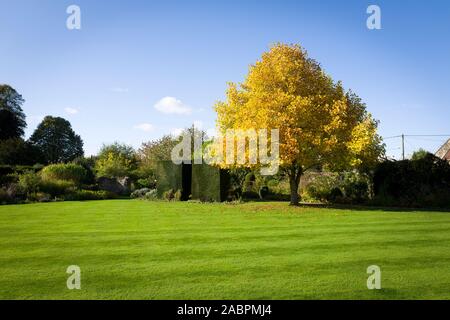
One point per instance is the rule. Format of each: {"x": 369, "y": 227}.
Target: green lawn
{"x": 156, "y": 250}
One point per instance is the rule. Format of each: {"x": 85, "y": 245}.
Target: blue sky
{"x": 109, "y": 78}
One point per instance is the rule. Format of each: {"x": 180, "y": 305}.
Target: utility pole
{"x": 403, "y": 146}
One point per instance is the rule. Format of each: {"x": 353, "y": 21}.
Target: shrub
{"x": 85, "y": 195}
{"x": 88, "y": 164}
{"x": 152, "y": 195}
{"x": 15, "y": 192}
{"x": 263, "y": 192}
{"x": 323, "y": 187}
{"x": 250, "y": 195}
{"x": 39, "y": 197}
{"x": 279, "y": 186}
{"x": 8, "y": 179}
{"x": 140, "y": 193}
{"x": 278, "y": 197}
{"x": 169, "y": 195}
{"x": 30, "y": 182}
{"x": 148, "y": 183}
{"x": 4, "y": 196}
{"x": 116, "y": 161}
{"x": 355, "y": 187}
{"x": 67, "y": 172}
{"x": 346, "y": 187}
{"x": 249, "y": 182}
{"x": 335, "y": 195}
{"x": 57, "y": 187}
{"x": 178, "y": 195}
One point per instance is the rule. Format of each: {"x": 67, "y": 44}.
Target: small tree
{"x": 116, "y": 161}
{"x": 29, "y": 182}
{"x": 156, "y": 150}
{"x": 57, "y": 141}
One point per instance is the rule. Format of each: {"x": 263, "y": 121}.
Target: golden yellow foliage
{"x": 319, "y": 123}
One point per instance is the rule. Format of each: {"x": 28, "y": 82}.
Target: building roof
{"x": 444, "y": 151}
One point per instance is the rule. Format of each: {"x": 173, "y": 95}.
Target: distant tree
{"x": 157, "y": 150}
{"x": 116, "y": 161}
{"x": 160, "y": 150}
{"x": 12, "y": 118}
{"x": 16, "y": 151}
{"x": 419, "y": 154}
{"x": 57, "y": 141}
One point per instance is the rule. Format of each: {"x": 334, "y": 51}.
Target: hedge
{"x": 209, "y": 183}
{"x": 169, "y": 176}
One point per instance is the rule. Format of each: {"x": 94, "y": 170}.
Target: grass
{"x": 155, "y": 250}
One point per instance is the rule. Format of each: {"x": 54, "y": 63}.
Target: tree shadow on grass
{"x": 371, "y": 208}
{"x": 354, "y": 207}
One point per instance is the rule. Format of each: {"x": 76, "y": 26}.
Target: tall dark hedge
{"x": 168, "y": 176}
{"x": 209, "y": 183}
{"x": 414, "y": 183}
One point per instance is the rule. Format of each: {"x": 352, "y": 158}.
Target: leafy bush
{"x": 278, "y": 197}
{"x": 116, "y": 161}
{"x": 4, "y": 196}
{"x": 140, "y": 193}
{"x": 346, "y": 187}
{"x": 39, "y": 197}
{"x": 322, "y": 188}
{"x": 85, "y": 195}
{"x": 249, "y": 182}
{"x": 355, "y": 187}
{"x": 15, "y": 192}
{"x": 57, "y": 187}
{"x": 8, "y": 179}
{"x": 88, "y": 164}
{"x": 169, "y": 195}
{"x": 30, "y": 182}
{"x": 148, "y": 183}
{"x": 152, "y": 195}
{"x": 263, "y": 192}
{"x": 178, "y": 195}
{"x": 279, "y": 186}
{"x": 250, "y": 195}
{"x": 335, "y": 195}
{"x": 67, "y": 172}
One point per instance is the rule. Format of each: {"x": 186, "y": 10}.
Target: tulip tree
{"x": 320, "y": 125}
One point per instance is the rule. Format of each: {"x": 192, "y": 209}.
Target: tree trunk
{"x": 294, "y": 180}
{"x": 295, "y": 199}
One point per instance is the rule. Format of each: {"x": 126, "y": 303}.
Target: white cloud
{"x": 71, "y": 110}
{"x": 146, "y": 127}
{"x": 171, "y": 105}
